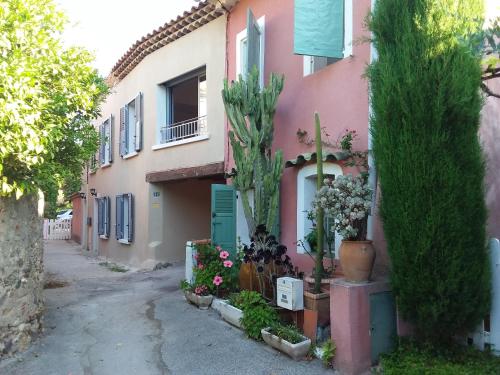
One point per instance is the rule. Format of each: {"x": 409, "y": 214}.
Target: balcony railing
{"x": 184, "y": 130}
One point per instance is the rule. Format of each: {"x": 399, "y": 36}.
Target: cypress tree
{"x": 426, "y": 101}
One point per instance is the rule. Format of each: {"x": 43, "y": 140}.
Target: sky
{"x": 108, "y": 28}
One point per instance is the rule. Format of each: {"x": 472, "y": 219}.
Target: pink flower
{"x": 228, "y": 263}
{"x": 224, "y": 254}
{"x": 195, "y": 256}
{"x": 200, "y": 266}
{"x": 218, "y": 280}
{"x": 218, "y": 248}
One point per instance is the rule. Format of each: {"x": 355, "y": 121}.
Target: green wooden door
{"x": 383, "y": 329}
{"x": 224, "y": 217}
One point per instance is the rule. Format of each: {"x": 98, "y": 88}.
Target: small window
{"x": 131, "y": 127}
{"x": 186, "y": 107}
{"x": 125, "y": 218}
{"x": 103, "y": 217}
{"x": 106, "y": 142}
{"x": 250, "y": 47}
{"x": 306, "y": 190}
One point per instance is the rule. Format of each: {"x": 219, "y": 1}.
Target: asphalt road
{"x": 100, "y": 322}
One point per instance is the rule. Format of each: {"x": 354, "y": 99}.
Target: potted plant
{"x": 197, "y": 295}
{"x": 269, "y": 258}
{"x": 348, "y": 200}
{"x": 287, "y": 339}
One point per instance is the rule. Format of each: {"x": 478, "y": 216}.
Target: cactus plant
{"x": 319, "y": 269}
{"x": 250, "y": 111}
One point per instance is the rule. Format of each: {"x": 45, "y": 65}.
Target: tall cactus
{"x": 250, "y": 111}
{"x": 319, "y": 269}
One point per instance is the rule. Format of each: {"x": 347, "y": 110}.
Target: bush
{"x": 257, "y": 314}
{"x": 425, "y": 93}
{"x": 411, "y": 359}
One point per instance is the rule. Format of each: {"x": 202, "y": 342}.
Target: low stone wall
{"x": 21, "y": 273}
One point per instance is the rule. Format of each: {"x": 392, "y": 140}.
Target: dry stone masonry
{"x": 21, "y": 273}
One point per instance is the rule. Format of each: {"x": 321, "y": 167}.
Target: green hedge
{"x": 426, "y": 111}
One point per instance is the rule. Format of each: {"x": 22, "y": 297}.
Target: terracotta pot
{"x": 319, "y": 303}
{"x": 356, "y": 260}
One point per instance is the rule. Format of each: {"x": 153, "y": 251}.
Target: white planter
{"x": 296, "y": 351}
{"x": 230, "y": 313}
{"x": 203, "y": 302}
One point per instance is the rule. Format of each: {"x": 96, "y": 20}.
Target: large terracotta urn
{"x": 356, "y": 260}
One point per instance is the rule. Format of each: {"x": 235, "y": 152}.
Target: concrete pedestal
{"x": 350, "y": 323}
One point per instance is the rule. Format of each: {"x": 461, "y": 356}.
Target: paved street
{"x": 100, "y": 322}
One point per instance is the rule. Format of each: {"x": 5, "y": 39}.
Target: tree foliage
{"x": 425, "y": 92}
{"x": 49, "y": 94}
{"x": 250, "y": 111}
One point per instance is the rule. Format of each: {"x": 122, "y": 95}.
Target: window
{"x": 103, "y": 217}
{"x": 323, "y": 32}
{"x": 131, "y": 119}
{"x": 306, "y": 189}
{"x": 125, "y": 218}
{"x": 186, "y": 107}
{"x": 106, "y": 142}
{"x": 250, "y": 47}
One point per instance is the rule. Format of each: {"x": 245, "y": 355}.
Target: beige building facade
{"x": 162, "y": 144}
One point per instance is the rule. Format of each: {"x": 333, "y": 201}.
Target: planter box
{"x": 296, "y": 351}
{"x": 230, "y": 314}
{"x": 203, "y": 302}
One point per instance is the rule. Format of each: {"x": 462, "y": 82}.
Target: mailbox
{"x": 290, "y": 293}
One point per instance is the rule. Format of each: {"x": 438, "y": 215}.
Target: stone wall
{"x": 21, "y": 273}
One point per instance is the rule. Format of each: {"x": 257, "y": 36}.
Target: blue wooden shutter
{"x": 224, "y": 217}
{"x": 107, "y": 218}
{"x": 102, "y": 143}
{"x": 100, "y": 217}
{"x": 123, "y": 133}
{"x": 138, "y": 122}
{"x": 130, "y": 217}
{"x": 319, "y": 28}
{"x": 119, "y": 217}
{"x": 110, "y": 138}
{"x": 253, "y": 43}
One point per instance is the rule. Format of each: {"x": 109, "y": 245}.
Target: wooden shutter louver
{"x": 319, "y": 28}
{"x": 119, "y": 217}
{"x": 123, "y": 135}
{"x": 102, "y": 143}
{"x": 253, "y": 43}
{"x": 138, "y": 122}
{"x": 107, "y": 218}
{"x": 130, "y": 217}
{"x": 110, "y": 138}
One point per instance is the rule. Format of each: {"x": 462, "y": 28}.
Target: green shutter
{"x": 319, "y": 28}
{"x": 253, "y": 43}
{"x": 224, "y": 217}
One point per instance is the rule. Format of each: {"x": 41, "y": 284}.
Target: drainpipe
{"x": 372, "y": 171}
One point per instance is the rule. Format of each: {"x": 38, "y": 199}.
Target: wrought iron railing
{"x": 184, "y": 130}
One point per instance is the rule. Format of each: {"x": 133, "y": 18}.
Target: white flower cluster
{"x": 347, "y": 200}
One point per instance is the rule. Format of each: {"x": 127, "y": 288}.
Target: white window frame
{"x": 107, "y": 214}
{"x": 313, "y": 64}
{"x": 241, "y": 37}
{"x": 303, "y": 175}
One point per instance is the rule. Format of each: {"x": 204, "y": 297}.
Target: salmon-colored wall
{"x": 338, "y": 92}
{"x": 76, "y": 220}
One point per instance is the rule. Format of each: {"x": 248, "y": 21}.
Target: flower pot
{"x": 296, "y": 351}
{"x": 230, "y": 314}
{"x": 203, "y": 302}
{"x": 319, "y": 303}
{"x": 325, "y": 283}
{"x": 356, "y": 260}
